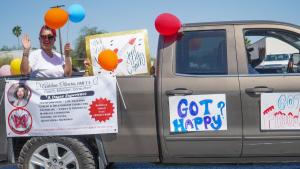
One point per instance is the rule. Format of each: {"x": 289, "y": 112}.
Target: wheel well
{"x": 88, "y": 140}
{"x": 18, "y": 144}
{"x": 91, "y": 144}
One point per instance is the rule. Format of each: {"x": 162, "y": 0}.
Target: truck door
{"x": 199, "y": 63}
{"x": 269, "y": 80}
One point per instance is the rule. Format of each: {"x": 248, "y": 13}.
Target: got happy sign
{"x": 198, "y": 113}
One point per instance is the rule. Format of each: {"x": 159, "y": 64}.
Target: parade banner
{"x": 198, "y": 113}
{"x": 73, "y": 106}
{"x": 131, "y": 48}
{"x": 280, "y": 111}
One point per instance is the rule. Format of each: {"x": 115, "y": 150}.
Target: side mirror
{"x": 250, "y": 49}
{"x": 295, "y": 55}
{"x": 296, "y": 58}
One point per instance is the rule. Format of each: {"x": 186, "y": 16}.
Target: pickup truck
{"x": 202, "y": 59}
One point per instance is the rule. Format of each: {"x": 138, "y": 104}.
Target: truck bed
{"x": 137, "y": 136}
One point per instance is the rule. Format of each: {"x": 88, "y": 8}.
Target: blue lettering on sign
{"x": 207, "y": 121}
{"x": 217, "y": 123}
{"x": 193, "y": 108}
{"x": 286, "y": 101}
{"x": 190, "y": 118}
{"x": 179, "y": 125}
{"x": 205, "y": 103}
{"x": 221, "y": 105}
{"x": 182, "y": 112}
{"x": 198, "y": 121}
{"x": 189, "y": 124}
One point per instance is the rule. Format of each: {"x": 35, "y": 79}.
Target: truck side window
{"x": 272, "y": 51}
{"x": 202, "y": 53}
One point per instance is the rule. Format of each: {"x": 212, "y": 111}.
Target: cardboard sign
{"x": 198, "y": 113}
{"x": 131, "y": 47}
{"x": 280, "y": 111}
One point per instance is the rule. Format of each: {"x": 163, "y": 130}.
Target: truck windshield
{"x": 277, "y": 57}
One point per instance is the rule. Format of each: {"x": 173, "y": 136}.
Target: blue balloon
{"x": 76, "y": 13}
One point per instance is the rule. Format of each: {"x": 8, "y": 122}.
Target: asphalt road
{"x": 206, "y": 166}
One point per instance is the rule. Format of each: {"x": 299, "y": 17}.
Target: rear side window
{"x": 202, "y": 53}
{"x": 272, "y": 51}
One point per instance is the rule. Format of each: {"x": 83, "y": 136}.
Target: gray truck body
{"x": 144, "y": 126}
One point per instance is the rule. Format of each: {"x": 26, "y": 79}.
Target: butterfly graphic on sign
{"x": 20, "y": 121}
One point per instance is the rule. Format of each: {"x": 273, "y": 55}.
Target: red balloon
{"x": 167, "y": 24}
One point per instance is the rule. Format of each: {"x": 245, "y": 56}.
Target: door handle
{"x": 179, "y": 91}
{"x": 259, "y": 89}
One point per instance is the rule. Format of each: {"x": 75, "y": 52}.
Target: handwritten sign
{"x": 280, "y": 111}
{"x": 131, "y": 47}
{"x": 198, "y": 113}
{"x": 85, "y": 105}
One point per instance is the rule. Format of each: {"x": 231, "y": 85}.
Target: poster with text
{"x": 280, "y": 111}
{"x": 131, "y": 48}
{"x": 73, "y": 106}
{"x": 198, "y": 113}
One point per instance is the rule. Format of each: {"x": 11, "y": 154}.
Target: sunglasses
{"x": 47, "y": 37}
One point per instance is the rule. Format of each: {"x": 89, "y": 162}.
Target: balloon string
{"x": 68, "y": 32}
{"x": 121, "y": 95}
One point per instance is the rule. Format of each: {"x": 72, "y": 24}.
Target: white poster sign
{"x": 131, "y": 47}
{"x": 280, "y": 111}
{"x": 73, "y": 106}
{"x": 198, "y": 113}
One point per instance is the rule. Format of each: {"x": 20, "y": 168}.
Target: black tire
{"x": 83, "y": 158}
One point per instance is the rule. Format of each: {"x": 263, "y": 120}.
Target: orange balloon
{"x": 55, "y": 18}
{"x": 108, "y": 60}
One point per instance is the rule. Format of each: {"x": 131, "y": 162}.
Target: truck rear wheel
{"x": 55, "y": 152}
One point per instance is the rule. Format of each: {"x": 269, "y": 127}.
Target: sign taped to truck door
{"x": 280, "y": 111}
{"x": 74, "y": 106}
{"x": 198, "y": 113}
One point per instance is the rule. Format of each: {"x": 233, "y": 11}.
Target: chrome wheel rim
{"x": 53, "y": 156}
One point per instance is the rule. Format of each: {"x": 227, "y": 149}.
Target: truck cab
{"x": 212, "y": 58}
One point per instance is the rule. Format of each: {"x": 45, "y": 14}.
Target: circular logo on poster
{"x": 18, "y": 95}
{"x": 20, "y": 121}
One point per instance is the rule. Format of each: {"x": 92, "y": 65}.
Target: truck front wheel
{"x": 55, "y": 152}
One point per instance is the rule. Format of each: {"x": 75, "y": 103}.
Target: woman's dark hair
{"x": 25, "y": 91}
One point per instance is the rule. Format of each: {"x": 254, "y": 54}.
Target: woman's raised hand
{"x": 26, "y": 42}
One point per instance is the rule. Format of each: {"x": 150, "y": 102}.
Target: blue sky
{"x": 124, "y": 15}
